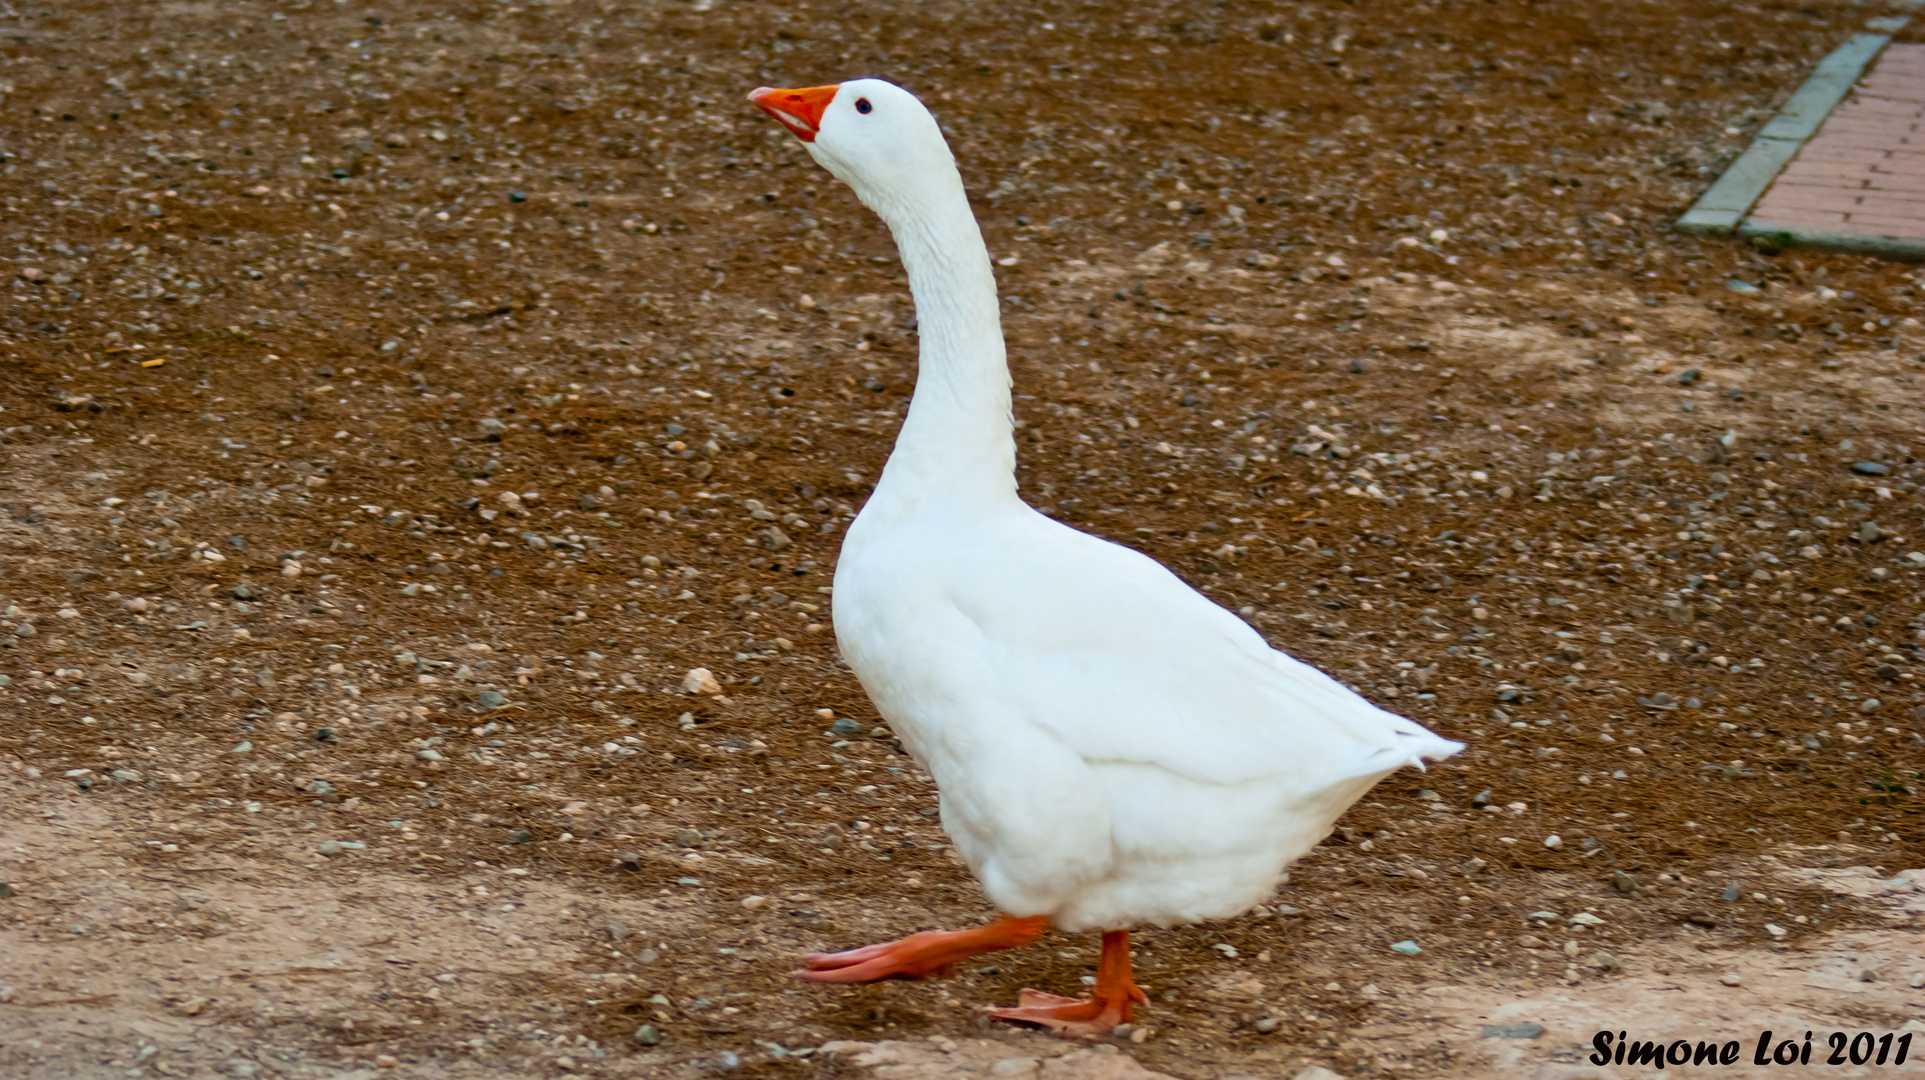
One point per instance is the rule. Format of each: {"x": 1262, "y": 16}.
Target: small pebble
{"x": 1408, "y": 948}
{"x": 1513, "y": 1031}
{"x": 700, "y": 681}
{"x": 646, "y": 1035}
{"x": 1730, "y": 978}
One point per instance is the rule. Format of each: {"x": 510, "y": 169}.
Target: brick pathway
{"x": 1863, "y": 173}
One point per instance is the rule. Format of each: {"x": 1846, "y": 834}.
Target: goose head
{"x": 872, "y": 135}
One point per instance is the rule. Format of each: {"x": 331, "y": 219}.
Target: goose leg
{"x": 933, "y": 952}
{"x": 1108, "y": 1006}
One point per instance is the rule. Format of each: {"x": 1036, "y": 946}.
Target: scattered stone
{"x": 845, "y": 727}
{"x": 615, "y": 929}
{"x": 1481, "y": 799}
{"x": 1266, "y": 1025}
{"x": 492, "y": 699}
{"x": 1606, "y": 961}
{"x": 1513, "y": 1031}
{"x": 1870, "y": 468}
{"x": 646, "y": 1035}
{"x": 1731, "y": 978}
{"x": 1316, "y": 1072}
{"x": 700, "y": 681}
{"x": 1554, "y": 841}
{"x": 1408, "y": 948}
{"x": 1623, "y": 882}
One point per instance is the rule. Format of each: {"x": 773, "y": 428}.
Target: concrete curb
{"x": 1904, "y": 249}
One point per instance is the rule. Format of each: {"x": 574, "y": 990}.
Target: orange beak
{"x": 798, "y": 110}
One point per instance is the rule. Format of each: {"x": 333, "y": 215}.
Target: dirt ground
{"x": 401, "y": 401}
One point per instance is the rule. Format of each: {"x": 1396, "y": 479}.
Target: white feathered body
{"x": 1111, "y": 747}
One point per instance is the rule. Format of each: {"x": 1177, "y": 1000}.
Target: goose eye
{"x": 863, "y": 106}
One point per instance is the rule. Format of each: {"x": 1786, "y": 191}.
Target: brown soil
{"x": 1377, "y": 333}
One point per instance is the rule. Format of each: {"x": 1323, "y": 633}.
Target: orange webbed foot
{"x": 1092, "y": 1015}
{"x": 1115, "y": 994}
{"x": 933, "y": 952}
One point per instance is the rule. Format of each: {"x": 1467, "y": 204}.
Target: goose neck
{"x": 958, "y": 437}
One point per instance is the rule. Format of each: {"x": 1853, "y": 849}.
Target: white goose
{"x": 1112, "y": 748}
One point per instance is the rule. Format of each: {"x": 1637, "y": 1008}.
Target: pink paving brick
{"x": 1802, "y": 219}
{"x": 1833, "y": 153}
{"x": 1863, "y": 172}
